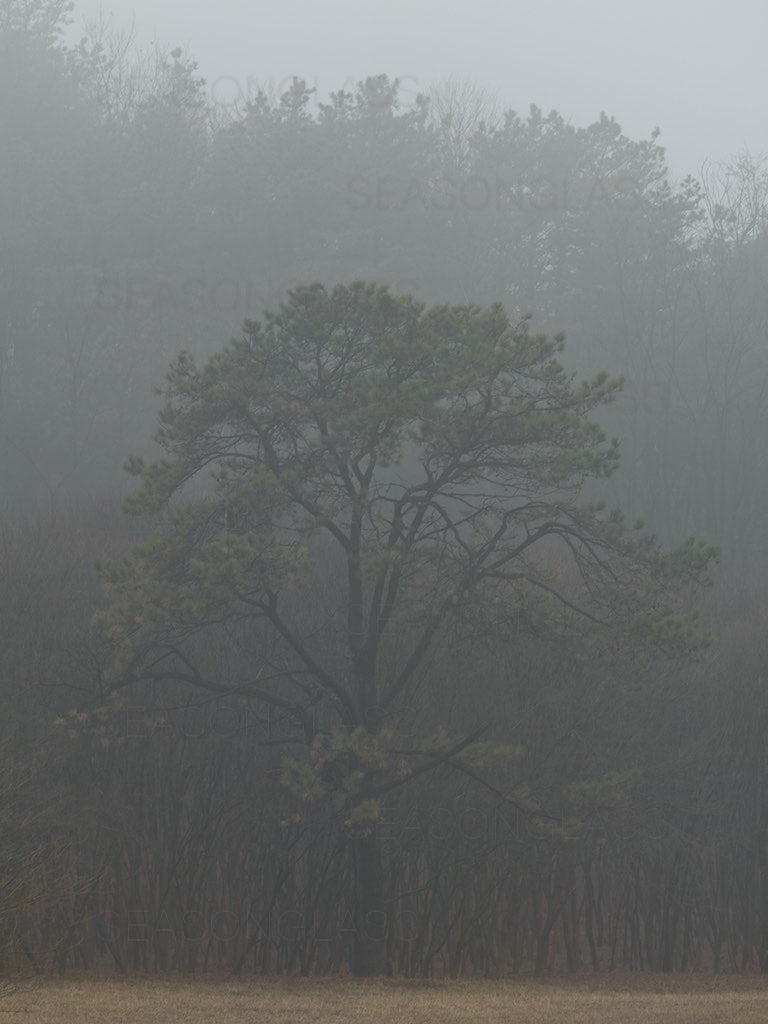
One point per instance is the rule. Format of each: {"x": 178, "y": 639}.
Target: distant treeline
{"x": 145, "y": 217}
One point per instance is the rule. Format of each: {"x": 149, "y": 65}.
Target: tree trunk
{"x": 371, "y": 923}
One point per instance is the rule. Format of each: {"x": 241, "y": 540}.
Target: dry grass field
{"x": 608, "y": 999}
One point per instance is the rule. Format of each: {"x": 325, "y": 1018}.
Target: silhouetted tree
{"x": 437, "y": 450}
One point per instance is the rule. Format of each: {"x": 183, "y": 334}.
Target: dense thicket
{"x": 154, "y": 831}
{"x": 144, "y": 219}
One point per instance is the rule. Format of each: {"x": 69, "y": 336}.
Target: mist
{"x": 169, "y": 176}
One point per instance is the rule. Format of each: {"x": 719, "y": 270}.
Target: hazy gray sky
{"x": 696, "y": 69}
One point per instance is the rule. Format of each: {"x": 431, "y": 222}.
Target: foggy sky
{"x": 696, "y": 69}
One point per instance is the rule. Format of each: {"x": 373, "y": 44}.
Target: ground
{"x": 594, "y": 999}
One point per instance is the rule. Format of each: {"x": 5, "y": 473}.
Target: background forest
{"x": 155, "y": 832}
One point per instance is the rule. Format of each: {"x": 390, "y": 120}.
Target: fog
{"x": 696, "y": 70}
{"x": 402, "y": 605}
{"x": 158, "y": 203}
